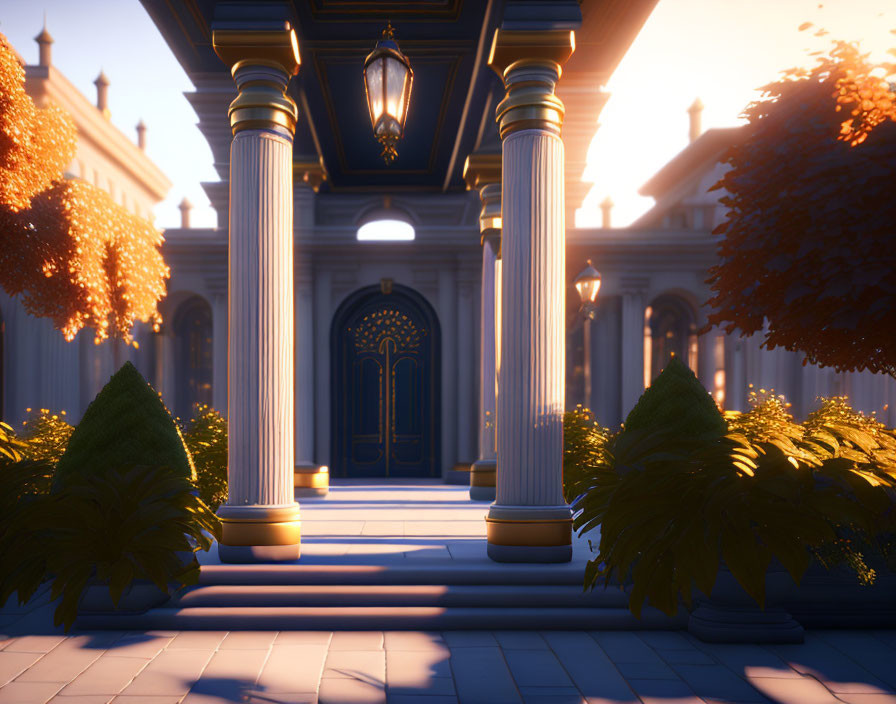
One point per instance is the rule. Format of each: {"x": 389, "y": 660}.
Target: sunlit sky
{"x": 719, "y": 50}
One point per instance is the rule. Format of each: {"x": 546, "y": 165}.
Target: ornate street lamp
{"x": 588, "y": 284}
{"x": 387, "y": 82}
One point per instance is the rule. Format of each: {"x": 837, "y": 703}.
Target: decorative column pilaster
{"x": 633, "y": 295}
{"x": 530, "y": 521}
{"x": 311, "y": 479}
{"x": 483, "y": 172}
{"x": 261, "y": 518}
{"x": 219, "y": 358}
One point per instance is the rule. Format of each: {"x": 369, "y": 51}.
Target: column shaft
{"x": 260, "y": 407}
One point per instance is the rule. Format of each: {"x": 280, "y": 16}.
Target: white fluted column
{"x": 261, "y": 518}
{"x": 632, "y": 348}
{"x": 530, "y": 521}
{"x": 483, "y": 172}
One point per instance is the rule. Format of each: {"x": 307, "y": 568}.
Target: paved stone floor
{"x": 392, "y": 522}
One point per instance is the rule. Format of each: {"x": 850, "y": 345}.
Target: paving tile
{"x": 6, "y": 641}
{"x": 229, "y": 676}
{"x": 419, "y": 699}
{"x": 357, "y": 640}
{"x": 383, "y": 528}
{"x": 868, "y": 698}
{"x": 65, "y": 662}
{"x": 751, "y": 660}
{"x": 665, "y": 640}
{"x": 171, "y": 673}
{"x": 197, "y": 640}
{"x": 303, "y": 638}
{"x": 105, "y": 676}
{"x": 28, "y": 692}
{"x": 429, "y": 552}
{"x": 589, "y": 667}
{"x": 646, "y": 671}
{"x": 364, "y": 665}
{"x": 787, "y": 690}
{"x": 414, "y": 640}
{"x": 154, "y": 699}
{"x": 622, "y": 646}
{"x": 13, "y": 664}
{"x": 544, "y": 695}
{"x": 869, "y": 651}
{"x": 469, "y": 639}
{"x": 82, "y": 699}
{"x": 139, "y": 645}
{"x": 248, "y": 640}
{"x": 339, "y": 690}
{"x": 278, "y": 698}
{"x": 717, "y": 682}
{"x": 817, "y": 658}
{"x": 419, "y": 672}
{"x": 685, "y": 657}
{"x": 664, "y": 692}
{"x": 34, "y": 644}
{"x": 888, "y": 637}
{"x": 533, "y": 668}
{"x": 295, "y": 668}
{"x": 482, "y": 677}
{"x": 520, "y": 640}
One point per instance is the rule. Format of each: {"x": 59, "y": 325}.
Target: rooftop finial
{"x": 185, "y": 208}
{"x": 44, "y": 44}
{"x": 102, "y": 94}
{"x": 606, "y": 206}
{"x": 141, "y": 135}
{"x": 695, "y": 112}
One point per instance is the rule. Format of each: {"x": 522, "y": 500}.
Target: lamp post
{"x": 387, "y": 82}
{"x": 588, "y": 284}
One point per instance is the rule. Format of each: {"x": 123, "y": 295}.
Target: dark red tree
{"x": 809, "y": 243}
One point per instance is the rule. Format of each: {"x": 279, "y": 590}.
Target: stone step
{"x": 560, "y": 596}
{"x": 360, "y": 618}
{"x": 420, "y": 572}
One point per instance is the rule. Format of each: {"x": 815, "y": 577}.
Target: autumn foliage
{"x": 808, "y": 246}
{"x": 66, "y": 248}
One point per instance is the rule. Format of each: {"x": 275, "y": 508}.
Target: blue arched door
{"x": 385, "y": 419}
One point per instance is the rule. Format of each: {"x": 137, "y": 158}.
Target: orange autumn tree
{"x": 67, "y": 249}
{"x": 809, "y": 244}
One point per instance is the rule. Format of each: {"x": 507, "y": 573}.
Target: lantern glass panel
{"x": 395, "y": 80}
{"x": 374, "y": 76}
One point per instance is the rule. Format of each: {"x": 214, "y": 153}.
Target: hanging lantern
{"x": 387, "y": 82}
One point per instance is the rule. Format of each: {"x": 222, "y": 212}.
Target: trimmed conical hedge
{"x": 676, "y": 401}
{"x": 127, "y": 424}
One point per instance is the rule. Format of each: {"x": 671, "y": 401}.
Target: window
{"x": 193, "y": 356}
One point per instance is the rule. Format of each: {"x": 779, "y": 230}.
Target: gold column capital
{"x": 483, "y": 173}
{"x": 262, "y": 62}
{"x": 514, "y": 48}
{"x": 311, "y": 173}
{"x": 530, "y": 63}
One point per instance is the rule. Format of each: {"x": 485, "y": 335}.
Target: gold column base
{"x": 529, "y": 532}
{"x": 256, "y": 526}
{"x": 311, "y": 480}
{"x": 462, "y": 467}
{"x": 483, "y": 476}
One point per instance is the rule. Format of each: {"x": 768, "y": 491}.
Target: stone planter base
{"x": 311, "y": 480}
{"x": 731, "y": 624}
{"x": 729, "y": 614}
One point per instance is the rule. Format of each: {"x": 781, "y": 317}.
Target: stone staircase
{"x": 419, "y": 596}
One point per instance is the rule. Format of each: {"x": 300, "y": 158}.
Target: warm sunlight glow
{"x": 721, "y": 52}
{"x": 385, "y": 231}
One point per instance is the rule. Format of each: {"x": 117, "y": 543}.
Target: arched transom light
{"x": 386, "y": 230}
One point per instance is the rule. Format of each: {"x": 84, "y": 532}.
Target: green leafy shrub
{"x": 206, "y": 440}
{"x": 126, "y": 424}
{"x": 45, "y": 435}
{"x": 112, "y": 525}
{"x": 677, "y": 494}
{"x": 10, "y": 446}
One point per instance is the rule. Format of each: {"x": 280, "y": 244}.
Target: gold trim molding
{"x": 513, "y": 49}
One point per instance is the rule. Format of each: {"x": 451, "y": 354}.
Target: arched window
{"x": 669, "y": 329}
{"x": 193, "y": 356}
